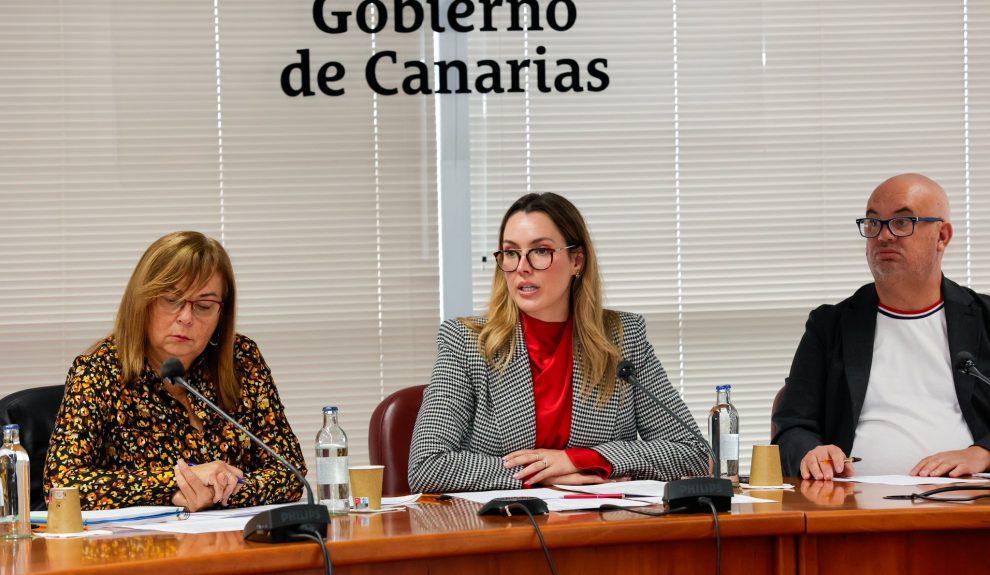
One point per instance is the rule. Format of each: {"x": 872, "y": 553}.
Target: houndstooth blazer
{"x": 473, "y": 414}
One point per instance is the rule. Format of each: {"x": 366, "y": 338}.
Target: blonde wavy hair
{"x": 597, "y": 331}
{"x": 180, "y": 258}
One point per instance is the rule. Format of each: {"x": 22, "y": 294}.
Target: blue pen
{"x": 240, "y": 480}
{"x": 178, "y": 512}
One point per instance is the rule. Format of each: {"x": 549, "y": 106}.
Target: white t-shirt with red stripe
{"x": 911, "y": 410}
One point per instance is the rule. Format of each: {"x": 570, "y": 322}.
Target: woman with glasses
{"x": 528, "y": 394}
{"x": 125, "y": 437}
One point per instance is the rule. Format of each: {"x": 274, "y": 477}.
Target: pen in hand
{"x": 240, "y": 480}
{"x": 595, "y": 496}
{"x": 846, "y": 460}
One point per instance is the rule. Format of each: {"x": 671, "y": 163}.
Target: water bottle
{"x": 333, "y": 485}
{"x": 723, "y": 431}
{"x": 15, "y": 486}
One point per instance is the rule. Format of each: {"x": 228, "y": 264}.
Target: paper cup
{"x": 366, "y": 486}
{"x": 64, "y": 512}
{"x": 765, "y": 467}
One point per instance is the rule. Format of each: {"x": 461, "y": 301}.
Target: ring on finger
{"x": 545, "y": 464}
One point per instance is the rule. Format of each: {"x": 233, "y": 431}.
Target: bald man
{"x": 874, "y": 374}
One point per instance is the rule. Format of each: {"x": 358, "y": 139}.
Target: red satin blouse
{"x": 551, "y": 359}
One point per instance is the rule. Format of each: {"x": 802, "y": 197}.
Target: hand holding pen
{"x": 206, "y": 485}
{"x": 825, "y": 462}
{"x": 845, "y": 460}
{"x": 240, "y": 478}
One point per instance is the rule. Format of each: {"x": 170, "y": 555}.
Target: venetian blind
{"x": 124, "y": 121}
{"x": 721, "y": 171}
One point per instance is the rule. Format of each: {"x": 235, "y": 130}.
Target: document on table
{"x": 554, "y": 498}
{"x": 216, "y": 520}
{"x": 134, "y": 515}
{"x": 751, "y": 499}
{"x": 197, "y": 526}
{"x": 640, "y": 490}
{"x": 907, "y": 480}
{"x": 559, "y": 504}
{"x": 210, "y": 521}
{"x": 483, "y": 497}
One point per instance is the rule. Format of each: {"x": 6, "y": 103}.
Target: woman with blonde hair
{"x": 528, "y": 394}
{"x": 125, "y": 437}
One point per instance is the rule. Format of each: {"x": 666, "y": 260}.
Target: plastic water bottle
{"x": 723, "y": 431}
{"x": 15, "y": 486}
{"x": 333, "y": 484}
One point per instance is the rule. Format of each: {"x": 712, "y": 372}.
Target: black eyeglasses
{"x": 901, "y": 226}
{"x": 538, "y": 258}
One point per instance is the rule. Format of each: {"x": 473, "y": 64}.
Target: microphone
{"x": 684, "y": 493}
{"x": 279, "y": 525}
{"x": 965, "y": 364}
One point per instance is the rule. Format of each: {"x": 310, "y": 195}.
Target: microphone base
{"x": 685, "y": 493}
{"x": 282, "y": 524}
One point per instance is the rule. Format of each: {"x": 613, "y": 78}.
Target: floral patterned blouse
{"x": 119, "y": 443}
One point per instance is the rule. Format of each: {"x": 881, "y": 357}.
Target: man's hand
{"x": 826, "y": 462}
{"x": 973, "y": 459}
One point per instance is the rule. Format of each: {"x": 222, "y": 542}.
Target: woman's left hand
{"x": 539, "y": 464}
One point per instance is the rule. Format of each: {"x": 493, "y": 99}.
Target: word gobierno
{"x": 451, "y": 76}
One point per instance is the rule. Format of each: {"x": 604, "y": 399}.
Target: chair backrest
{"x": 390, "y": 434}
{"x": 773, "y": 411}
{"x": 34, "y": 410}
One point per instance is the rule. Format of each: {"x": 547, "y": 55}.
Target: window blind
{"x": 721, "y": 171}
{"x": 133, "y": 120}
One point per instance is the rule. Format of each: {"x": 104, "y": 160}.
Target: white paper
{"x": 404, "y": 500}
{"x": 200, "y": 526}
{"x": 249, "y": 512}
{"x": 128, "y": 514}
{"x": 559, "y": 504}
{"x": 906, "y": 480}
{"x": 485, "y": 496}
{"x": 87, "y": 533}
{"x": 644, "y": 488}
{"x": 766, "y": 487}
{"x": 635, "y": 490}
{"x": 748, "y": 499}
{"x": 209, "y": 521}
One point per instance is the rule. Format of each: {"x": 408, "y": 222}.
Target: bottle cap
{"x": 330, "y": 409}
{"x": 11, "y": 426}
{"x": 723, "y": 387}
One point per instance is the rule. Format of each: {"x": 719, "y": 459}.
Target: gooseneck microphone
{"x": 965, "y": 364}
{"x": 289, "y": 523}
{"x": 684, "y": 493}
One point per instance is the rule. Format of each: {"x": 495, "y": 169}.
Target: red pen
{"x": 595, "y": 496}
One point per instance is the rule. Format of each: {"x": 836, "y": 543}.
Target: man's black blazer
{"x": 824, "y": 393}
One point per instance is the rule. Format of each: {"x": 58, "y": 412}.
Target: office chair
{"x": 34, "y": 410}
{"x": 389, "y": 436}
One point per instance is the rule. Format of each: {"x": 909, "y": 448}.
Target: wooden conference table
{"x": 818, "y": 528}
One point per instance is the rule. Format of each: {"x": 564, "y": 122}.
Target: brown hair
{"x": 594, "y": 326}
{"x": 188, "y": 258}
